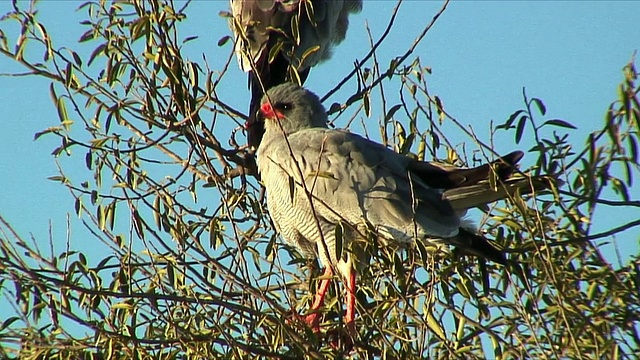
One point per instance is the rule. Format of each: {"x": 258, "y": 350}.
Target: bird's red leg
{"x": 313, "y": 319}
{"x": 350, "y": 316}
{"x": 339, "y": 339}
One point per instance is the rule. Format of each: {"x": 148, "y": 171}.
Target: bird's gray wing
{"x": 355, "y": 179}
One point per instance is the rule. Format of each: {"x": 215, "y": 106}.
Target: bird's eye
{"x": 284, "y": 106}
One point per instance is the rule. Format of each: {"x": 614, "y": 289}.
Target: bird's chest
{"x": 291, "y": 214}
{"x": 285, "y": 200}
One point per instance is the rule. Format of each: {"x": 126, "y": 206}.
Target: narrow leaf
{"x": 78, "y": 207}
{"x": 559, "y": 123}
{"x": 308, "y": 52}
{"x": 432, "y": 323}
{"x": 509, "y": 123}
{"x": 292, "y": 188}
{"x": 366, "y": 102}
{"x": 520, "y": 128}
{"x": 223, "y": 40}
{"x": 392, "y": 112}
{"x": 540, "y": 105}
{"x": 338, "y": 233}
{"x": 88, "y": 159}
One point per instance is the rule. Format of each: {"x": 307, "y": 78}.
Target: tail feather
{"x": 441, "y": 176}
{"x": 474, "y": 244}
{"x": 482, "y": 193}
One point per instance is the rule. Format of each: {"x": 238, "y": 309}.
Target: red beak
{"x": 268, "y": 112}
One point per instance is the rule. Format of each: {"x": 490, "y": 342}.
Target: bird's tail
{"x": 441, "y": 176}
{"x": 474, "y": 244}
{"x": 484, "y": 192}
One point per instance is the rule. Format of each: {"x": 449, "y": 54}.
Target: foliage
{"x": 199, "y": 272}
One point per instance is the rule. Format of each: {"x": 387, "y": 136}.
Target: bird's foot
{"x": 312, "y": 320}
{"x": 342, "y": 338}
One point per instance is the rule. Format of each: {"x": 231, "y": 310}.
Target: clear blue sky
{"x": 482, "y": 53}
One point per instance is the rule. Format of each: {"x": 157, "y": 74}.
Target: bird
{"x": 318, "y": 179}
{"x": 281, "y": 40}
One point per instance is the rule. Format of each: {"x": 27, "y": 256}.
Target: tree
{"x": 200, "y": 273}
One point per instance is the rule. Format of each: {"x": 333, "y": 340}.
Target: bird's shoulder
{"x": 344, "y": 144}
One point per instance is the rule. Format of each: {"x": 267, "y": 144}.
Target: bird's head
{"x": 290, "y": 108}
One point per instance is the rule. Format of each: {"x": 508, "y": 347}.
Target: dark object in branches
{"x": 279, "y": 41}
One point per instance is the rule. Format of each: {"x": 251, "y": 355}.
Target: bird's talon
{"x": 341, "y": 339}
{"x": 312, "y": 321}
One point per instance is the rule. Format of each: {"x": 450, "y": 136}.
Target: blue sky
{"x": 482, "y": 54}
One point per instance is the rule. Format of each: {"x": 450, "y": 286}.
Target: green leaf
{"x": 440, "y": 109}
{"x": 78, "y": 207}
{"x": 48, "y": 54}
{"x": 270, "y": 250}
{"x": 338, "y": 233}
{"x": 321, "y": 174}
{"x": 292, "y": 188}
{"x": 76, "y": 58}
{"x": 295, "y": 29}
{"x": 335, "y": 107}
{"x": 122, "y": 305}
{"x": 54, "y": 130}
{"x": 88, "y": 159}
{"x": 294, "y": 76}
{"x": 99, "y": 50}
{"x": 189, "y": 39}
{"x": 460, "y": 327}
{"x": 559, "y": 123}
{"x": 8, "y": 322}
{"x": 111, "y": 214}
{"x": 137, "y": 224}
{"x": 462, "y": 288}
{"x": 308, "y": 52}
{"x": 398, "y": 267}
{"x": 366, "y": 102}
{"x": 101, "y": 217}
{"x": 88, "y": 35}
{"x": 193, "y": 74}
{"x": 509, "y": 123}
{"x": 633, "y": 146}
{"x": 311, "y": 13}
{"x": 59, "y": 178}
{"x": 392, "y": 112}
{"x": 213, "y": 234}
{"x": 223, "y": 40}
{"x": 68, "y": 75}
{"x": 540, "y": 105}
{"x": 407, "y": 144}
{"x": 157, "y": 210}
{"x": 423, "y": 252}
{"x": 432, "y": 323}
{"x": 62, "y": 112}
{"x": 520, "y": 128}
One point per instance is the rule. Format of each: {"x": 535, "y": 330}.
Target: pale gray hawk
{"x": 319, "y": 178}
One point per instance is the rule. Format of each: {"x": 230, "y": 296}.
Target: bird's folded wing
{"x": 357, "y": 179}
